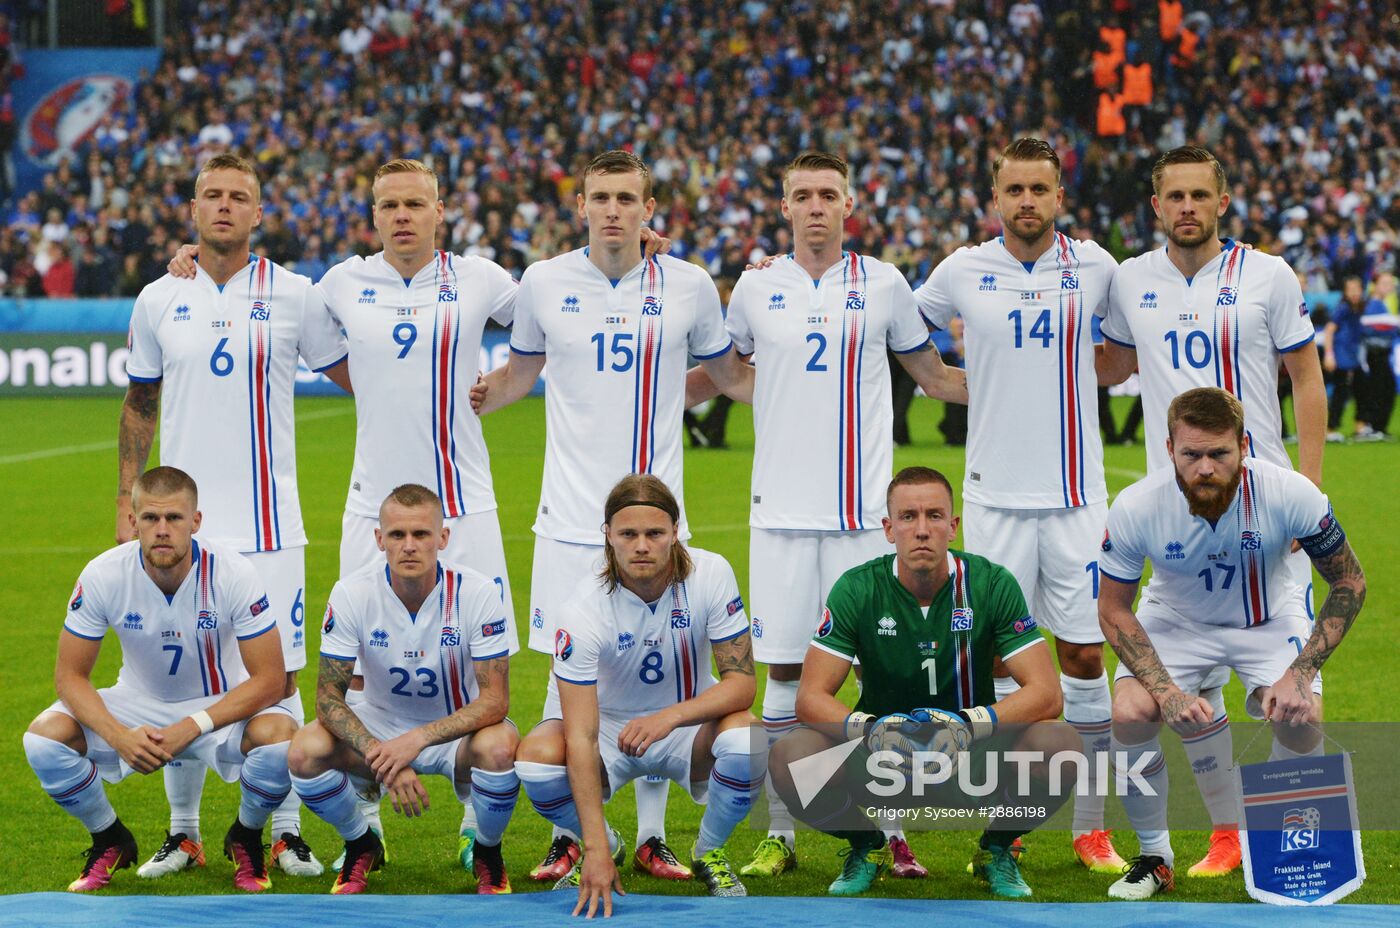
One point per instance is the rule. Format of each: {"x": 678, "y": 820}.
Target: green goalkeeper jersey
{"x": 940, "y": 657}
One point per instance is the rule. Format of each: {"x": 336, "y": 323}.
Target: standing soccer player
{"x": 1206, "y": 311}
{"x": 431, "y": 642}
{"x": 632, "y": 652}
{"x": 215, "y": 355}
{"x": 1034, "y": 498}
{"x": 200, "y": 680}
{"x": 617, "y": 331}
{"x": 1222, "y": 595}
{"x": 819, "y": 322}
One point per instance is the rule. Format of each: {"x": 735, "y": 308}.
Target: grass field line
{"x": 1125, "y": 472}
{"x": 112, "y": 443}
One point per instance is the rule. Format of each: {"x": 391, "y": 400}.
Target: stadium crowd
{"x": 506, "y": 99}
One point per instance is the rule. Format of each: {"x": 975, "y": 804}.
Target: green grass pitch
{"x": 58, "y": 462}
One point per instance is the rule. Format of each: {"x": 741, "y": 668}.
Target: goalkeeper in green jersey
{"x": 925, "y": 625}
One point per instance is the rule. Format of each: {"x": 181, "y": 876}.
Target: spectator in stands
{"x": 1375, "y": 389}
{"x": 1341, "y": 344}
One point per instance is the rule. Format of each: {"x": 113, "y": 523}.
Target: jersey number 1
{"x": 931, "y": 666}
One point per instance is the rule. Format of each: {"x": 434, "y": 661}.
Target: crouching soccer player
{"x": 431, "y": 641}
{"x": 201, "y": 674}
{"x": 1223, "y": 595}
{"x": 632, "y": 655}
{"x": 925, "y": 624}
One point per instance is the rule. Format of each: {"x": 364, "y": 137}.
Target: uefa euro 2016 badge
{"x": 1299, "y": 837}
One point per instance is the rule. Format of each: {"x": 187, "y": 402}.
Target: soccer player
{"x": 1206, "y": 311}
{"x": 632, "y": 659}
{"x": 215, "y": 356}
{"x": 1034, "y": 498}
{"x": 200, "y": 679}
{"x": 431, "y": 641}
{"x": 925, "y": 624}
{"x": 818, "y": 322}
{"x": 617, "y": 330}
{"x": 1217, "y": 526}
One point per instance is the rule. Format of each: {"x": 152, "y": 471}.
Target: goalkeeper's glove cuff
{"x": 982, "y": 720}
{"x": 858, "y": 724}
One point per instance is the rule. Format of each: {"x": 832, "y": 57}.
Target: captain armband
{"x": 1328, "y": 540}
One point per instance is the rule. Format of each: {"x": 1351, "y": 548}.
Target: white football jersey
{"x": 823, "y": 423}
{"x": 1223, "y": 328}
{"x": 227, "y": 361}
{"x": 181, "y": 647}
{"x": 1233, "y": 573}
{"x": 418, "y": 667}
{"x": 1033, "y": 437}
{"x": 646, "y": 656}
{"x": 615, "y": 381}
{"x": 415, "y": 349}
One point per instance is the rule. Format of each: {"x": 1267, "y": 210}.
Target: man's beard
{"x": 1029, "y": 238}
{"x": 1210, "y": 499}
{"x": 1208, "y": 232}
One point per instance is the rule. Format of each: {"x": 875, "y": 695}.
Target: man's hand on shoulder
{"x": 185, "y": 261}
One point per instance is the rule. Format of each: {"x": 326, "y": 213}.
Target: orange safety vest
{"x": 1186, "y": 51}
{"x": 1106, "y": 69}
{"x": 1111, "y": 122}
{"x": 1137, "y": 84}
{"x": 1169, "y": 17}
{"x": 1115, "y": 38}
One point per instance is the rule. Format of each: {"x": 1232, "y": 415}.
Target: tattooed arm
{"x": 1129, "y": 641}
{"x": 387, "y": 758}
{"x": 332, "y": 680}
{"x": 140, "y": 411}
{"x": 1291, "y": 698}
{"x": 734, "y": 692}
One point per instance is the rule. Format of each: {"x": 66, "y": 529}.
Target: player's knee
{"x": 272, "y": 728}
{"x": 541, "y": 748}
{"x": 56, "y": 726}
{"x": 308, "y": 752}
{"x": 1081, "y": 661}
{"x": 496, "y": 752}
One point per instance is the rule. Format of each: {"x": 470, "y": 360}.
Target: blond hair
{"x": 405, "y": 166}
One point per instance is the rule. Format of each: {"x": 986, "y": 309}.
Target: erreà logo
{"x": 989, "y": 282}
{"x": 1149, "y": 300}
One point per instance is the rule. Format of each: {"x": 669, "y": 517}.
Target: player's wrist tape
{"x": 202, "y": 719}
{"x": 858, "y": 724}
{"x": 981, "y": 719}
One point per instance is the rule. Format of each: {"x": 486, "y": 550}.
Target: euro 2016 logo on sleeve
{"x": 208, "y": 620}
{"x": 329, "y": 622}
{"x": 651, "y": 306}
{"x": 962, "y": 620}
{"x": 563, "y": 645}
{"x": 1107, "y": 542}
{"x": 825, "y": 626}
{"x": 1301, "y": 829}
{"x": 451, "y": 638}
{"x": 854, "y": 301}
{"x": 76, "y": 602}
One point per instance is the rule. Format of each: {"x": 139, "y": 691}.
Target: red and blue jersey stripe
{"x": 207, "y": 644}
{"x": 1072, "y": 328}
{"x": 1254, "y": 589}
{"x": 1227, "y": 322}
{"x": 267, "y": 528}
{"x": 452, "y": 659}
{"x": 683, "y": 649}
{"x": 446, "y": 329}
{"x": 966, "y": 690}
{"x": 653, "y": 284}
{"x": 850, "y": 492}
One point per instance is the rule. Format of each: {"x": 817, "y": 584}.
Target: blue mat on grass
{"x": 548, "y": 910}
